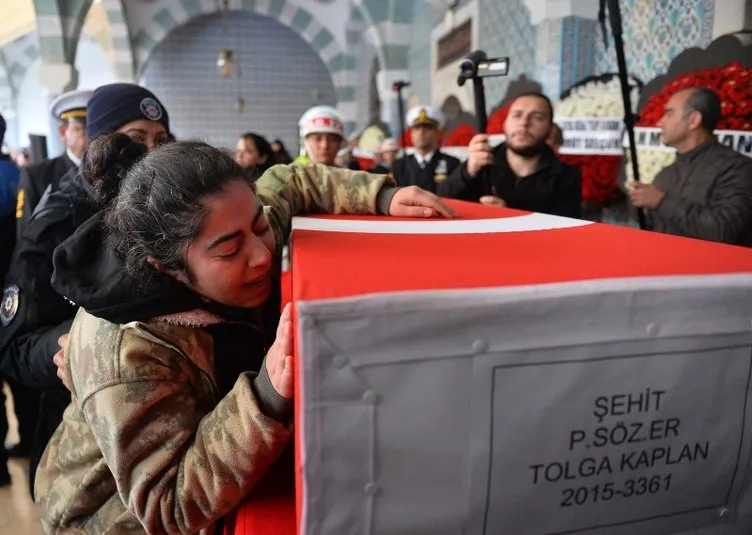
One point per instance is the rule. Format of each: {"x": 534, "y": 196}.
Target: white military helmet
{"x": 322, "y": 120}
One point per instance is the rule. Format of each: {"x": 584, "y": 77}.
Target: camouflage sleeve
{"x": 290, "y": 190}
{"x": 178, "y": 468}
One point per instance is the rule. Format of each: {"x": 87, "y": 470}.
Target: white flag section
{"x": 650, "y": 138}
{"x": 521, "y": 223}
{"x": 603, "y": 407}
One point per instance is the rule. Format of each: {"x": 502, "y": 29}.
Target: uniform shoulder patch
{"x": 9, "y": 307}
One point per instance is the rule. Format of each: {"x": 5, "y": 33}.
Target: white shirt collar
{"x": 423, "y": 160}
{"x": 73, "y": 158}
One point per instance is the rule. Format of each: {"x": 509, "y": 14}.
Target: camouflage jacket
{"x": 146, "y": 445}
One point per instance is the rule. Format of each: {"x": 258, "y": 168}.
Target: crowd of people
{"x": 141, "y": 328}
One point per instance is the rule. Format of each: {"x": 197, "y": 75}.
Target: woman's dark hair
{"x": 154, "y": 201}
{"x": 264, "y": 148}
{"x": 282, "y": 156}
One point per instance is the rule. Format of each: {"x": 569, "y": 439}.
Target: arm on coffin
{"x": 295, "y": 189}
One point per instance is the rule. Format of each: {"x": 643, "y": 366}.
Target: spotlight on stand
{"x": 476, "y": 66}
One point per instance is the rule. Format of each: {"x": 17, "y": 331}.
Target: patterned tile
{"x": 419, "y": 59}
{"x": 656, "y": 31}
{"x": 506, "y": 30}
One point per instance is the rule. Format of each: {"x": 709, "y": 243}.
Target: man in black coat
{"x": 524, "y": 172}
{"x": 33, "y": 315}
{"x": 427, "y": 167}
{"x": 70, "y": 109}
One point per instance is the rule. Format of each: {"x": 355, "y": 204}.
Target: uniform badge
{"x": 441, "y": 171}
{"x": 151, "y": 109}
{"x": 20, "y": 200}
{"x": 10, "y": 304}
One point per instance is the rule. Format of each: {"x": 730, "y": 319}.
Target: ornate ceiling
{"x": 22, "y": 20}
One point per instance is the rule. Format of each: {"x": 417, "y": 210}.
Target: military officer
{"x": 70, "y": 109}
{"x": 427, "y": 166}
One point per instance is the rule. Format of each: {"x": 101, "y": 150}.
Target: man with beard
{"x": 427, "y": 167}
{"x": 523, "y": 172}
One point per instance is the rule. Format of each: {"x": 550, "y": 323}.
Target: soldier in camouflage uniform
{"x": 169, "y": 425}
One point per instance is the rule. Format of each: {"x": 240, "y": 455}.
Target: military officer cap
{"x": 425, "y": 116}
{"x": 71, "y": 105}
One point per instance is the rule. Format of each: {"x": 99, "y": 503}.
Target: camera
{"x": 478, "y": 65}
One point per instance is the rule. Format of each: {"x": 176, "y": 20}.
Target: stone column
{"x": 730, "y": 16}
{"x": 566, "y": 34}
{"x": 56, "y": 78}
{"x": 11, "y": 129}
{"x": 565, "y": 53}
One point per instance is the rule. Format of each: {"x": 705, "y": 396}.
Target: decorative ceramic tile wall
{"x": 548, "y": 55}
{"x": 506, "y": 30}
{"x": 281, "y": 76}
{"x": 419, "y": 60}
{"x": 577, "y": 51}
{"x": 656, "y": 31}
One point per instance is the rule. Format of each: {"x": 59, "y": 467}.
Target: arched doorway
{"x": 276, "y": 88}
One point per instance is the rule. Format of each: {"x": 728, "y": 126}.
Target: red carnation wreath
{"x": 732, "y": 82}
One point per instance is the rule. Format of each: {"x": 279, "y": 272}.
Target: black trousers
{"x": 26, "y": 406}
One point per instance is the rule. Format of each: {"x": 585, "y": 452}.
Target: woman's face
{"x": 230, "y": 261}
{"x": 246, "y": 153}
{"x": 150, "y": 133}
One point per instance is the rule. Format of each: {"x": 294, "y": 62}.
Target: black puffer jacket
{"x": 28, "y": 336}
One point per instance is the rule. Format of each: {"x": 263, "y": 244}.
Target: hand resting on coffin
{"x": 279, "y": 361}
{"x": 412, "y": 201}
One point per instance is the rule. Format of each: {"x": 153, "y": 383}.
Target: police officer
{"x": 427, "y": 166}
{"x": 322, "y": 130}
{"x": 70, "y": 109}
{"x": 33, "y": 315}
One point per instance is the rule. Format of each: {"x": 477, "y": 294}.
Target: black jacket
{"x": 28, "y": 337}
{"x": 554, "y": 188}
{"x": 29, "y": 340}
{"x": 407, "y": 171}
{"x": 34, "y": 180}
{"x": 708, "y": 195}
